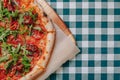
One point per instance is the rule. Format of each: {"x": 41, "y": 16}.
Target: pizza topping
{"x": 8, "y": 65}
{"x": 5, "y": 3}
{"x": 10, "y": 4}
{"x": 14, "y": 25}
{"x": 2, "y": 74}
{"x": 26, "y": 63}
{"x": 21, "y": 19}
{"x": 37, "y": 34}
{"x": 10, "y": 7}
{"x": 4, "y": 33}
{"x": 19, "y": 67}
{"x": 4, "y": 58}
{"x": 16, "y": 52}
{"x": 15, "y": 40}
{"x": 32, "y": 47}
{"x": 37, "y": 28}
{"x": 0, "y": 50}
{"x": 28, "y": 20}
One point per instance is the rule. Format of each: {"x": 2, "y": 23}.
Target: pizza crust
{"x": 42, "y": 63}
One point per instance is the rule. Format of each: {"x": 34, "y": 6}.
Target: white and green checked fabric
{"x": 95, "y": 25}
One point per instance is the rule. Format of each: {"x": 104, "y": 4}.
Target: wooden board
{"x": 55, "y": 18}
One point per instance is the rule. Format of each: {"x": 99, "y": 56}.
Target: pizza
{"x": 27, "y": 38}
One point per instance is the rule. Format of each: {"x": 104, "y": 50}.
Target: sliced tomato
{"x": 2, "y": 74}
{"x": 15, "y": 41}
{"x": 37, "y": 34}
{"x": 14, "y": 25}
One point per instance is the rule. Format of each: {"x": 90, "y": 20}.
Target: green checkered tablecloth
{"x": 95, "y": 25}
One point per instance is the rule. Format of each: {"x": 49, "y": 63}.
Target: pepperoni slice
{"x": 2, "y": 74}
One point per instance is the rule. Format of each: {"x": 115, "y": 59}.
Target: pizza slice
{"x": 27, "y": 39}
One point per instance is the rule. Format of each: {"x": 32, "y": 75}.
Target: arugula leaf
{"x": 4, "y": 34}
{"x": 25, "y": 51}
{"x": 23, "y": 31}
{"x": 11, "y": 50}
{"x": 25, "y": 60}
{"x": 14, "y": 33}
{"x": 15, "y": 13}
{"x": 21, "y": 19}
{"x": 9, "y": 78}
{"x": 4, "y": 58}
{"x": 8, "y": 65}
{"x": 30, "y": 13}
{"x": 15, "y": 53}
{"x": 6, "y": 47}
{"x": 30, "y": 30}
{"x": 26, "y": 63}
{"x": 18, "y": 48}
{"x": 1, "y": 13}
{"x": 37, "y": 28}
{"x": 0, "y": 4}
{"x": 6, "y": 13}
{"x": 15, "y": 57}
{"x": 1, "y": 30}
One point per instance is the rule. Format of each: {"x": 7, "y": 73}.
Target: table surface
{"x": 95, "y": 25}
